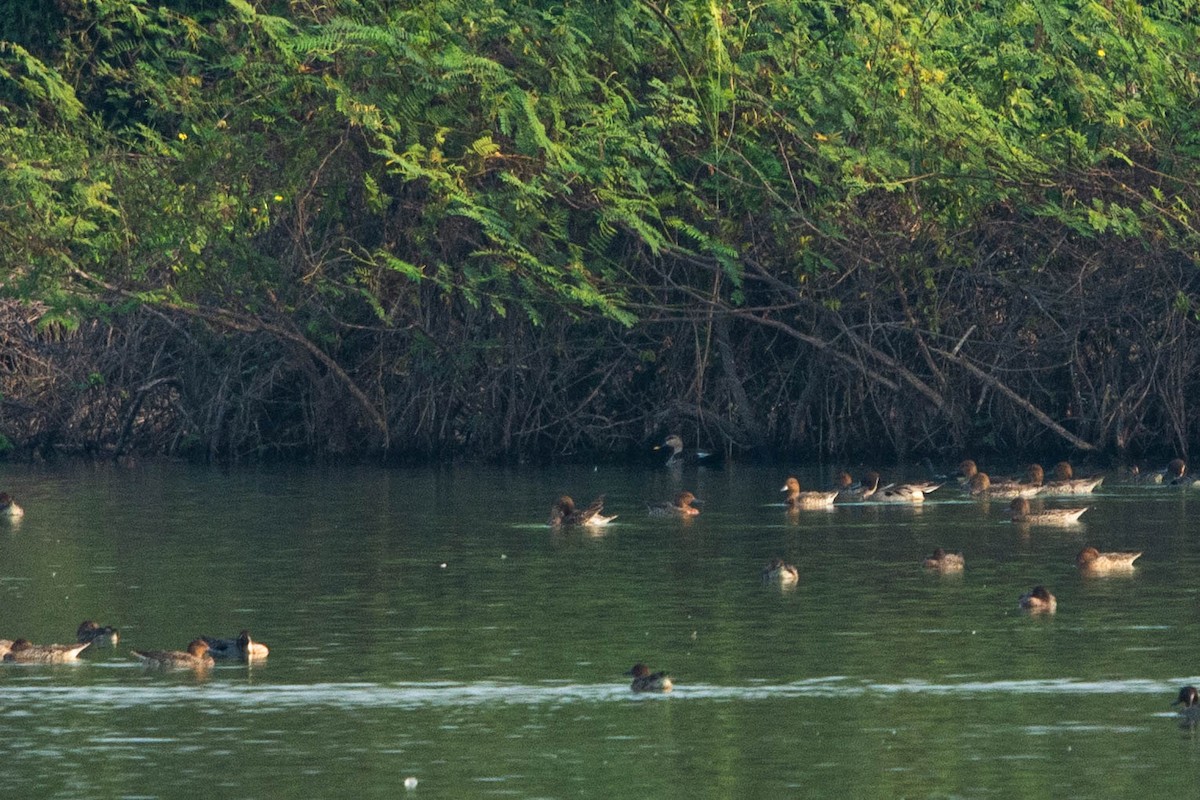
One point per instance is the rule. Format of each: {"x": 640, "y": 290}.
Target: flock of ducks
{"x": 201, "y": 653}
{"x": 976, "y": 484}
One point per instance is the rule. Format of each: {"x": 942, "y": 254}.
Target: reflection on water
{"x": 428, "y": 623}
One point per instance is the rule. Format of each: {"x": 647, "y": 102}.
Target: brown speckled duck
{"x": 942, "y": 561}
{"x": 22, "y": 651}
{"x": 1021, "y": 513}
{"x": 646, "y": 681}
{"x": 980, "y": 484}
{"x": 1039, "y": 600}
{"x": 797, "y": 499}
{"x": 563, "y": 512}
{"x": 1092, "y": 562}
{"x": 196, "y": 657}
{"x": 1065, "y": 483}
{"x": 681, "y": 506}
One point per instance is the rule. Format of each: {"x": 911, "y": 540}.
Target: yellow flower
{"x": 253, "y": 209}
{"x": 182, "y": 136}
{"x": 278, "y": 198}
{"x": 1100, "y": 52}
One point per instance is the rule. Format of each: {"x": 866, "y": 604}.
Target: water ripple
{"x": 425, "y": 694}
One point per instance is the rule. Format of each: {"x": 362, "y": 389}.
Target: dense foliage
{"x": 249, "y": 228}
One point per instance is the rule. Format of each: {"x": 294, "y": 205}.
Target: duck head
{"x": 1035, "y": 474}
{"x": 1188, "y": 697}
{"x": 1086, "y": 556}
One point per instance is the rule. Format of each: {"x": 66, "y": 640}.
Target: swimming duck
{"x": 1038, "y": 600}
{"x": 1189, "y": 702}
{"x": 851, "y": 492}
{"x": 1019, "y": 509}
{"x": 1065, "y": 482}
{"x": 777, "y": 571}
{"x": 90, "y": 632}
{"x": 646, "y": 681}
{"x": 23, "y": 651}
{"x": 798, "y": 499}
{"x": 680, "y": 507}
{"x": 678, "y": 455}
{"x": 1092, "y": 562}
{"x": 1177, "y": 475}
{"x": 905, "y": 492}
{"x": 9, "y": 507}
{"x": 242, "y": 648}
{"x": 564, "y": 512}
{"x": 1134, "y": 474}
{"x": 979, "y": 484}
{"x": 945, "y": 562}
{"x": 196, "y": 657}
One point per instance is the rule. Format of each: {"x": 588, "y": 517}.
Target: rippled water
{"x": 427, "y": 624}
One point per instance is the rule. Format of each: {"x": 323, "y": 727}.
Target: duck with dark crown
{"x": 646, "y": 681}
{"x": 1039, "y": 600}
{"x": 91, "y": 632}
{"x": 680, "y": 455}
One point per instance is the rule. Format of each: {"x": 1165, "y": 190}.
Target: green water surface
{"x": 427, "y": 624}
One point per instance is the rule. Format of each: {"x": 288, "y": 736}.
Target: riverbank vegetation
{"x": 236, "y": 230}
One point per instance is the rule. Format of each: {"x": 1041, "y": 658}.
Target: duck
{"x": 9, "y": 507}
{"x": 678, "y": 455}
{"x": 1176, "y": 474}
{"x": 904, "y": 492}
{"x": 1189, "y": 703}
{"x": 778, "y": 571}
{"x": 1144, "y": 478}
{"x": 563, "y": 512}
{"x": 242, "y": 648}
{"x": 1065, "y": 483}
{"x": 1039, "y": 600}
{"x": 646, "y": 681}
{"x": 851, "y": 492}
{"x": 979, "y": 484}
{"x": 1092, "y": 562}
{"x": 945, "y": 562}
{"x": 5, "y": 646}
{"x": 1019, "y": 509}
{"x": 22, "y": 651}
{"x": 90, "y": 632}
{"x": 196, "y": 657}
{"x": 798, "y": 499}
{"x": 681, "y": 506}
